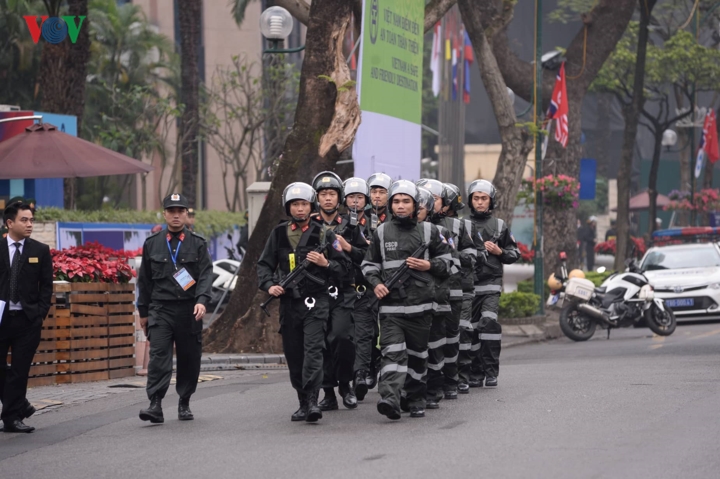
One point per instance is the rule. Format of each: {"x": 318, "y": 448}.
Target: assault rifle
{"x": 404, "y": 273}
{"x": 293, "y": 279}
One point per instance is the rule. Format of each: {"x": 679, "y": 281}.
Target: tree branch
{"x": 299, "y": 9}
{"x": 435, "y": 10}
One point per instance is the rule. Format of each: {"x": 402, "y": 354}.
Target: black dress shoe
{"x": 490, "y": 382}
{"x": 371, "y": 380}
{"x": 328, "y": 403}
{"x": 314, "y": 413}
{"x": 348, "y": 396}
{"x": 301, "y": 413}
{"x": 154, "y": 412}
{"x": 388, "y": 409}
{"x": 474, "y": 383}
{"x": 17, "y": 426}
{"x": 464, "y": 388}
{"x": 451, "y": 394}
{"x": 29, "y": 410}
{"x": 184, "y": 412}
{"x": 360, "y": 385}
{"x": 430, "y": 403}
{"x": 417, "y": 412}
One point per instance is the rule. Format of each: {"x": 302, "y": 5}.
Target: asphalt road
{"x": 635, "y": 406}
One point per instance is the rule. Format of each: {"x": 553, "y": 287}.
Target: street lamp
{"x": 276, "y": 23}
{"x": 669, "y": 138}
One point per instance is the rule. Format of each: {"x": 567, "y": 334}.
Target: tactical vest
{"x": 490, "y": 230}
{"x": 289, "y": 259}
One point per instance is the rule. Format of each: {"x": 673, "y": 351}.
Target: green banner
{"x": 392, "y": 58}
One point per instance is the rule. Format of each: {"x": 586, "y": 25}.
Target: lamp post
{"x": 276, "y": 23}
{"x": 538, "y": 243}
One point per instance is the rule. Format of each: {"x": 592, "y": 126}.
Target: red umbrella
{"x": 641, "y": 201}
{"x": 44, "y": 152}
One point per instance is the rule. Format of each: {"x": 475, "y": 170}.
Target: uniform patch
{"x": 442, "y": 238}
{"x": 336, "y": 245}
{"x": 512, "y": 238}
{"x": 175, "y": 197}
{"x": 391, "y": 246}
{"x": 480, "y": 236}
{"x": 451, "y": 242}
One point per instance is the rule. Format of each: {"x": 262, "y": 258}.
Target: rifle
{"x": 404, "y": 273}
{"x": 293, "y": 279}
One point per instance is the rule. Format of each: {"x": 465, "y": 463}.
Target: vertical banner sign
{"x": 390, "y": 89}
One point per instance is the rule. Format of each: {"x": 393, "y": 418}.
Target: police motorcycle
{"x": 623, "y": 300}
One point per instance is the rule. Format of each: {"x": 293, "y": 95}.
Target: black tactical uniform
{"x": 304, "y": 311}
{"x": 167, "y": 256}
{"x": 405, "y": 321}
{"x": 488, "y": 285}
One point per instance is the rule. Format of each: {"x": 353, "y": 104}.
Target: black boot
{"x": 372, "y": 376}
{"x": 491, "y": 382}
{"x": 329, "y": 401}
{"x": 360, "y": 384}
{"x": 301, "y": 413}
{"x": 464, "y": 388}
{"x": 154, "y": 412}
{"x": 313, "y": 412}
{"x": 184, "y": 412}
{"x": 348, "y": 396}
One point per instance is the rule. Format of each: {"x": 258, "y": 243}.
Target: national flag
{"x": 435, "y": 66}
{"x": 469, "y": 58}
{"x": 710, "y": 137}
{"x": 454, "y": 73}
{"x": 558, "y": 110}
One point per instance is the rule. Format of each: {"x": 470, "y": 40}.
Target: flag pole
{"x": 538, "y": 278}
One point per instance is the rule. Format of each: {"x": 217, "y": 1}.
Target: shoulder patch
{"x": 442, "y": 238}
{"x": 198, "y": 235}
{"x": 336, "y": 245}
{"x": 512, "y": 238}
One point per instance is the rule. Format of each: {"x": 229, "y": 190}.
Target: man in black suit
{"x": 26, "y": 282}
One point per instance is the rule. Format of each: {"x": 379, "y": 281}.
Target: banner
{"x": 390, "y": 89}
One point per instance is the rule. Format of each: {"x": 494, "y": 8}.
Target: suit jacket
{"x": 36, "y": 278}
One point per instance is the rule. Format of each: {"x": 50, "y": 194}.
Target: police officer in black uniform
{"x": 339, "y": 356}
{"x": 174, "y": 286}
{"x": 501, "y": 249}
{"x": 304, "y": 310}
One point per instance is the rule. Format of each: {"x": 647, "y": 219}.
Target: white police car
{"x": 686, "y": 276}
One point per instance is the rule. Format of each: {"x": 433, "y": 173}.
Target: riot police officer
{"x": 339, "y": 355}
{"x": 304, "y": 308}
{"x": 406, "y": 310}
{"x": 501, "y": 249}
{"x": 174, "y": 285}
{"x": 357, "y": 197}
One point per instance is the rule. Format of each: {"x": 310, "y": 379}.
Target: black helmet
{"x": 433, "y": 186}
{"x": 355, "y": 185}
{"x": 405, "y": 187}
{"x": 426, "y": 199}
{"x": 452, "y": 195}
{"x": 327, "y": 180}
{"x": 482, "y": 186}
{"x": 297, "y": 191}
{"x": 380, "y": 180}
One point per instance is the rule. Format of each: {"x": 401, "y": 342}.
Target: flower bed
{"x": 704, "y": 201}
{"x": 527, "y": 255}
{"x": 609, "y": 247}
{"x": 559, "y": 191}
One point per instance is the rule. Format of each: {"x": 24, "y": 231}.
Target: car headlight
{"x": 715, "y": 285}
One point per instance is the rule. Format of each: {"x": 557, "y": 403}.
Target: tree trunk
{"x": 652, "y": 179}
{"x": 243, "y": 327}
{"x": 516, "y": 142}
{"x": 190, "y": 13}
{"x": 604, "y": 132}
{"x": 632, "y": 116}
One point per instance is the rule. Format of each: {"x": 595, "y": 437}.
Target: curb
{"x": 551, "y": 331}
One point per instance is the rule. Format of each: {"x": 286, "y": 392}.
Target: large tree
{"x": 603, "y": 25}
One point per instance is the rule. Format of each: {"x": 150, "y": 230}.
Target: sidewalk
{"x": 49, "y": 398}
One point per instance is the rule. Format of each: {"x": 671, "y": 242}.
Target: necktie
{"x": 15, "y": 275}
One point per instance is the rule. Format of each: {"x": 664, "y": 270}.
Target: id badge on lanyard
{"x": 181, "y": 276}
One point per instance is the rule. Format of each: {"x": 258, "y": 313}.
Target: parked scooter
{"x": 623, "y": 300}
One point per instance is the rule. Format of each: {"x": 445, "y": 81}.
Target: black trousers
{"x": 339, "y": 355}
{"x": 488, "y": 336}
{"x": 173, "y": 323}
{"x": 303, "y": 336}
{"x": 22, "y": 336}
{"x": 365, "y": 317}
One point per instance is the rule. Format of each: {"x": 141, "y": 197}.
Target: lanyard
{"x": 174, "y": 257}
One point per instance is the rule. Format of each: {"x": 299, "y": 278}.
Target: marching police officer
{"x": 477, "y": 253}
{"x": 406, "y": 310}
{"x": 174, "y": 285}
{"x": 339, "y": 355}
{"x": 357, "y": 196}
{"x": 304, "y": 307}
{"x": 501, "y": 249}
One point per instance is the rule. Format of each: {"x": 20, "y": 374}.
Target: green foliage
{"x": 597, "y": 278}
{"x": 528, "y": 286}
{"x": 518, "y": 305}
{"x": 570, "y": 10}
{"x": 207, "y": 223}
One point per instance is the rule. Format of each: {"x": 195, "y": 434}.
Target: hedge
{"x": 518, "y": 305}
{"x": 208, "y": 223}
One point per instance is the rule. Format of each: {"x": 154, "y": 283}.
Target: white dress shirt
{"x": 11, "y": 248}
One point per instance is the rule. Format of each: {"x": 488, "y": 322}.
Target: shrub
{"x": 518, "y": 305}
{"x": 528, "y": 286}
{"x": 90, "y": 263}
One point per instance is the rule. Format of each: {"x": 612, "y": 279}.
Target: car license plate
{"x": 680, "y": 303}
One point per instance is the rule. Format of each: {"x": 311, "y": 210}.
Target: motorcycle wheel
{"x": 662, "y": 323}
{"x": 574, "y": 325}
